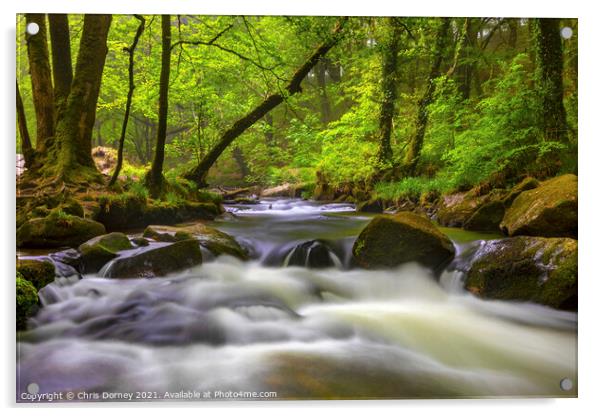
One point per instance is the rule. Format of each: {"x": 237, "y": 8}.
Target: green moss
{"x": 57, "y": 230}
{"x": 27, "y": 300}
{"x": 487, "y": 217}
{"x": 214, "y": 240}
{"x": 549, "y": 210}
{"x": 38, "y": 272}
{"x": 525, "y": 185}
{"x": 390, "y": 240}
{"x": 100, "y": 250}
{"x": 542, "y": 270}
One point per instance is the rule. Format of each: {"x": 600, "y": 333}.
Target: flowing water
{"x": 279, "y": 326}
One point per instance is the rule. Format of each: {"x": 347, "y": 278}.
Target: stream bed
{"x": 280, "y": 327}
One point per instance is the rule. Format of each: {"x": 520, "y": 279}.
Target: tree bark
{"x": 548, "y": 59}
{"x": 41, "y": 82}
{"x": 26, "y": 147}
{"x": 62, "y": 70}
{"x": 239, "y": 157}
{"x": 416, "y": 142}
{"x": 128, "y": 104}
{"x": 388, "y": 89}
{"x": 74, "y": 128}
{"x": 154, "y": 179}
{"x": 199, "y": 173}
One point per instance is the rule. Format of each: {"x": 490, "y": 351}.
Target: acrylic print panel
{"x": 269, "y": 208}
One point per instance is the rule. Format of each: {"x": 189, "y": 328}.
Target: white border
{"x": 590, "y": 167}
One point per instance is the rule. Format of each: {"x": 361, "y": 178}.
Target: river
{"x": 274, "y": 327}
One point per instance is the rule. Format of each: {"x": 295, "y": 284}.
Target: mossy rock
{"x": 57, "y": 230}
{"x": 27, "y": 301}
{"x": 541, "y": 270}
{"x": 454, "y": 210}
{"x": 38, "y": 272}
{"x": 140, "y": 241}
{"x": 128, "y": 211}
{"x": 550, "y": 210}
{"x": 157, "y": 261}
{"x": 324, "y": 192}
{"x": 487, "y": 217}
{"x": 212, "y": 239}
{"x": 391, "y": 240}
{"x": 525, "y": 185}
{"x": 372, "y": 205}
{"x": 100, "y": 250}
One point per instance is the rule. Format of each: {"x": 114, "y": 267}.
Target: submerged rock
{"x": 212, "y": 239}
{"x": 156, "y": 261}
{"x": 57, "y": 230}
{"x": 391, "y": 240}
{"x": 27, "y": 300}
{"x": 550, "y": 210}
{"x": 542, "y": 270}
{"x": 38, "y": 272}
{"x": 313, "y": 254}
{"x": 100, "y": 250}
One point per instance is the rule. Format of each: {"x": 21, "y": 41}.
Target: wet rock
{"x": 541, "y": 270}
{"x": 487, "y": 217}
{"x": 38, "y": 272}
{"x": 550, "y": 210}
{"x": 454, "y": 210}
{"x": 391, "y": 240}
{"x": 27, "y": 300}
{"x": 57, "y": 230}
{"x": 157, "y": 261}
{"x": 140, "y": 241}
{"x": 372, "y": 205}
{"x": 70, "y": 257}
{"x": 214, "y": 240}
{"x": 100, "y": 250}
{"x": 312, "y": 254}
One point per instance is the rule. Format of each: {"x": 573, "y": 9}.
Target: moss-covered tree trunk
{"x": 199, "y": 173}
{"x": 41, "y": 82}
{"x": 415, "y": 144}
{"x": 549, "y": 63}
{"x": 26, "y": 146}
{"x": 73, "y": 142}
{"x": 154, "y": 178}
{"x": 128, "y": 104}
{"x": 389, "y": 86}
{"x": 62, "y": 68}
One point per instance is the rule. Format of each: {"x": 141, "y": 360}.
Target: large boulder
{"x": 98, "y": 251}
{"x": 27, "y": 301}
{"x": 456, "y": 209}
{"x": 487, "y": 217}
{"x": 57, "y": 230}
{"x": 156, "y": 261}
{"x": 542, "y": 270}
{"x": 525, "y": 185}
{"x": 312, "y": 254}
{"x": 212, "y": 239}
{"x": 38, "y": 272}
{"x": 550, "y": 210}
{"x": 390, "y": 240}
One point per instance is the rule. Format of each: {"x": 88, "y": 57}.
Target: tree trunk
{"x": 389, "y": 90}
{"x": 26, "y": 147}
{"x": 415, "y": 145}
{"x": 62, "y": 70}
{"x": 128, "y": 103}
{"x": 465, "y": 67}
{"x": 199, "y": 173}
{"x": 74, "y": 128}
{"x": 239, "y": 157}
{"x": 154, "y": 179}
{"x": 324, "y": 103}
{"x": 548, "y": 59}
{"x": 41, "y": 82}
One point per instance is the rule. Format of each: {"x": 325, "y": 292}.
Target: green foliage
{"x": 411, "y": 188}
